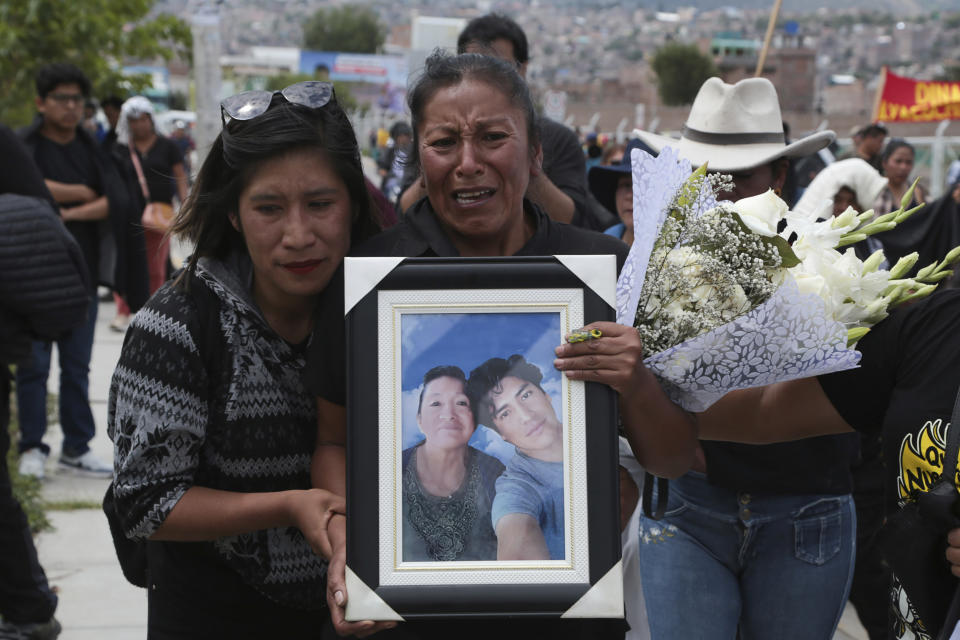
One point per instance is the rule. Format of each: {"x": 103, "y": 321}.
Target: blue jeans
{"x": 76, "y": 419}
{"x": 724, "y": 565}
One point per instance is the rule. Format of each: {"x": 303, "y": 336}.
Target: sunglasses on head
{"x": 250, "y": 104}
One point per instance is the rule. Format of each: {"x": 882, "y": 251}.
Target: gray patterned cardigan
{"x": 232, "y": 416}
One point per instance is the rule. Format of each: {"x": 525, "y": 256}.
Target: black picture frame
{"x": 532, "y": 588}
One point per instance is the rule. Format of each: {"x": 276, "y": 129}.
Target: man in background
{"x": 560, "y": 189}
{"x": 868, "y": 144}
{"x": 78, "y": 176}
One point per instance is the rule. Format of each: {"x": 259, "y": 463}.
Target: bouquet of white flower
{"x": 722, "y": 301}
{"x": 858, "y": 293}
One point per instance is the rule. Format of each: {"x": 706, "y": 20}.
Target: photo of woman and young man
{"x": 482, "y": 473}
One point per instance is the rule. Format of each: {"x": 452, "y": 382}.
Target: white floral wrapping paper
{"x": 791, "y": 335}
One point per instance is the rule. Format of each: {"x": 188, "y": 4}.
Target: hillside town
{"x": 596, "y": 57}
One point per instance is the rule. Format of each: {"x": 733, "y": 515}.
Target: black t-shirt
{"x": 904, "y": 389}
{"x": 158, "y": 163}
{"x": 564, "y": 164}
{"x": 72, "y": 163}
{"x": 18, "y": 173}
{"x": 810, "y": 466}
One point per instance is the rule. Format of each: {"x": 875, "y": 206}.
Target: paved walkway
{"x": 96, "y": 602}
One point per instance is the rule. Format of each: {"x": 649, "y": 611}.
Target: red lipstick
{"x": 302, "y": 267}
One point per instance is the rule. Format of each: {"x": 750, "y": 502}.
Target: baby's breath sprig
{"x": 706, "y": 269}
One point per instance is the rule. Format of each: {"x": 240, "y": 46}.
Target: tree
{"x": 681, "y": 69}
{"x": 95, "y": 35}
{"x": 349, "y": 29}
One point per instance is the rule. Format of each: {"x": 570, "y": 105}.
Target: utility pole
{"x": 762, "y": 58}
{"x": 205, "y": 26}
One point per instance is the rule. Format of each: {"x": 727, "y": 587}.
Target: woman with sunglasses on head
{"x": 213, "y": 429}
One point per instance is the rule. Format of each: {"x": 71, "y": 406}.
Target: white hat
{"x": 133, "y": 108}
{"x": 855, "y": 174}
{"x": 733, "y": 127}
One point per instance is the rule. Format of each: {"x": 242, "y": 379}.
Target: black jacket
{"x": 43, "y": 278}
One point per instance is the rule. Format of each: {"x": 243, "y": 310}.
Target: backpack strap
{"x": 950, "y": 457}
{"x": 950, "y": 625}
{"x": 663, "y": 492}
{"x": 210, "y": 341}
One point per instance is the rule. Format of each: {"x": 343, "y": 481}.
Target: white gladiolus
{"x": 851, "y": 295}
{"x": 761, "y": 213}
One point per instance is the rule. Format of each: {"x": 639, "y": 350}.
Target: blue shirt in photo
{"x": 534, "y": 487}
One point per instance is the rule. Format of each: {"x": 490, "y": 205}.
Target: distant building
{"x": 791, "y": 67}
{"x": 843, "y": 97}
{"x": 795, "y": 76}
{"x": 734, "y": 55}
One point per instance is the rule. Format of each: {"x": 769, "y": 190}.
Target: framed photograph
{"x": 481, "y": 481}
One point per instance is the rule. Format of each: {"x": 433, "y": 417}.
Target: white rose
{"x": 703, "y": 294}
{"x": 762, "y": 213}
{"x": 810, "y": 283}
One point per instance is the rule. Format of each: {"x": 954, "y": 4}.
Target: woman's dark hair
{"x": 445, "y": 371}
{"x": 893, "y": 145}
{"x": 243, "y": 146}
{"x": 50, "y": 76}
{"x": 443, "y": 70}
{"x": 489, "y": 377}
{"x": 494, "y": 26}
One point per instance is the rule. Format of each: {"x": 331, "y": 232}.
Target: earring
{"x": 778, "y": 191}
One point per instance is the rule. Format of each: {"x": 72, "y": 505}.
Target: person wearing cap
{"x": 594, "y": 150}
{"x": 612, "y": 186}
{"x": 756, "y": 541}
{"x": 867, "y": 144}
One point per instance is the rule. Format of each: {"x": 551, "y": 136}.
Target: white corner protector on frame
{"x": 360, "y": 275}
{"x": 597, "y": 272}
{"x": 364, "y": 604}
{"x": 603, "y": 600}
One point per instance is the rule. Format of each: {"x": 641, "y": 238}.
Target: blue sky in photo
{"x": 467, "y": 340}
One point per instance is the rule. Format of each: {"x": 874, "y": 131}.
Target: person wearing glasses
{"x": 93, "y": 202}
{"x": 212, "y": 426}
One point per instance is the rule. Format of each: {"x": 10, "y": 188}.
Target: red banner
{"x": 907, "y": 100}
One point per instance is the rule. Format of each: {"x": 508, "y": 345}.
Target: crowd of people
{"x": 227, "y": 408}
